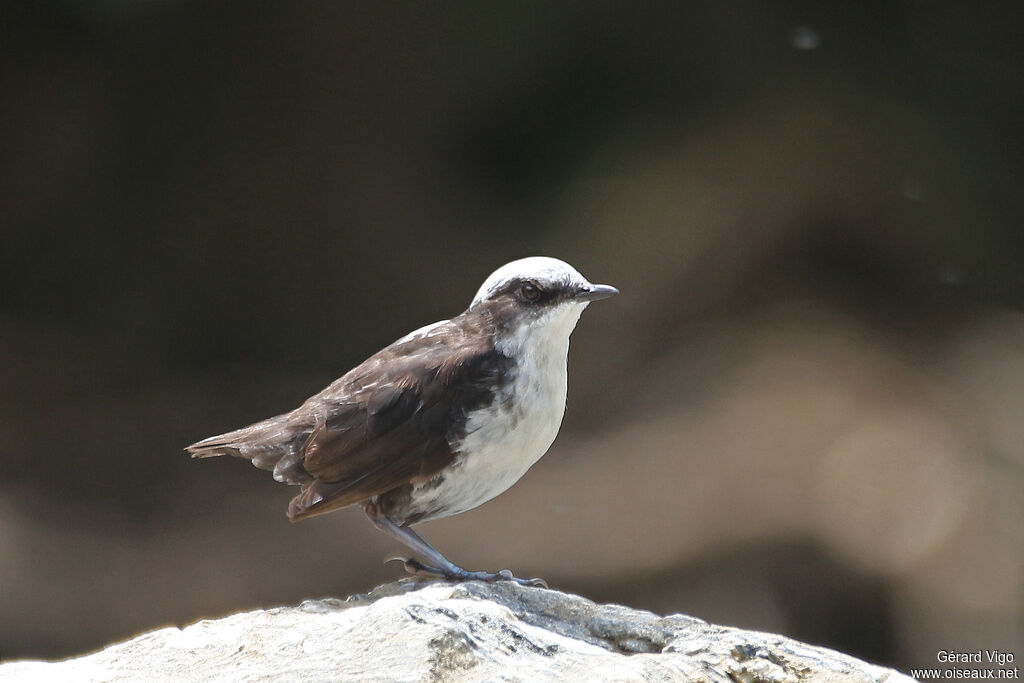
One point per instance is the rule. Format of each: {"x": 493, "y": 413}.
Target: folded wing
{"x": 391, "y": 421}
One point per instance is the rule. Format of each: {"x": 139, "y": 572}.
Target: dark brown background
{"x": 804, "y": 414}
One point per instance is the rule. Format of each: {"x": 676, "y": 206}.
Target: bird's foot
{"x": 456, "y": 573}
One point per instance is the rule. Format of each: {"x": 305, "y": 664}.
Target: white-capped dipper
{"x": 440, "y": 421}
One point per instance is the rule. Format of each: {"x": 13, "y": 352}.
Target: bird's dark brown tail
{"x": 273, "y": 444}
{"x": 214, "y": 446}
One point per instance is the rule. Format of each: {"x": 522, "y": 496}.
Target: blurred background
{"x": 804, "y": 414}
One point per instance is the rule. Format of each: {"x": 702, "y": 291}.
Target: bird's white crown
{"x": 544, "y": 270}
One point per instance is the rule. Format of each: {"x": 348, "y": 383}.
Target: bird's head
{"x": 539, "y": 296}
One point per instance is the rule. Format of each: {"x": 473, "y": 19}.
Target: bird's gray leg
{"x": 439, "y": 564}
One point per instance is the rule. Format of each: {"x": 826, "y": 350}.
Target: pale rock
{"x": 423, "y": 631}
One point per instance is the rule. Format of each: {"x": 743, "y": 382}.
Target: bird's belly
{"x": 501, "y": 443}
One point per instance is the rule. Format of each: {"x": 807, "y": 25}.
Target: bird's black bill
{"x": 595, "y": 293}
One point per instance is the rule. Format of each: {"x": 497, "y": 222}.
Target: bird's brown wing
{"x": 389, "y": 421}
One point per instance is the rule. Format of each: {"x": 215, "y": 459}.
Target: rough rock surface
{"x": 421, "y": 631}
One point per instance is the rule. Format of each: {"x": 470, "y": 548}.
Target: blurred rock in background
{"x": 804, "y": 413}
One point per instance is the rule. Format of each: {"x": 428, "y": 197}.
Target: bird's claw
{"x": 506, "y": 575}
{"x": 535, "y": 582}
{"x": 415, "y": 567}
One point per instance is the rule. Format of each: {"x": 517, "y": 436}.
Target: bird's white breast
{"x": 504, "y": 439}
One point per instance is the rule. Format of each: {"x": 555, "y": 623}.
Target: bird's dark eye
{"x": 529, "y": 291}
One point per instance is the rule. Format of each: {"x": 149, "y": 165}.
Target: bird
{"x": 438, "y": 422}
